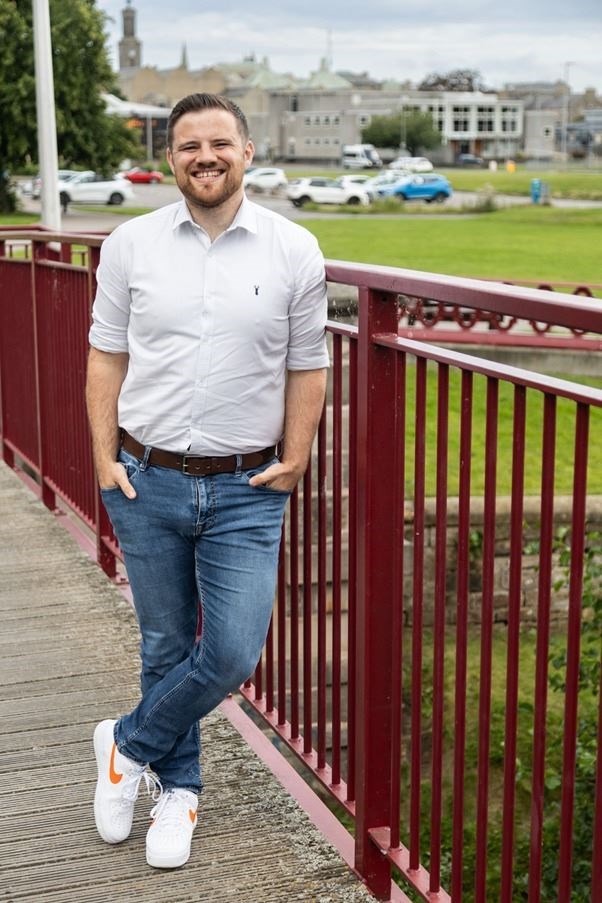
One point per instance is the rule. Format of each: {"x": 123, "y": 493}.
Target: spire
{"x": 184, "y": 60}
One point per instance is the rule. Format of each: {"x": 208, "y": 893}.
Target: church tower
{"x": 130, "y": 48}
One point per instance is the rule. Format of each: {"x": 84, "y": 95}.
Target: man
{"x": 208, "y": 348}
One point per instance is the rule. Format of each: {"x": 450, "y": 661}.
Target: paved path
{"x": 154, "y": 196}
{"x": 69, "y": 652}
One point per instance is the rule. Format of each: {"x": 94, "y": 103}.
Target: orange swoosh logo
{"x": 192, "y": 815}
{"x": 114, "y": 776}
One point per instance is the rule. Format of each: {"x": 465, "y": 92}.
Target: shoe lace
{"x": 171, "y": 808}
{"x": 131, "y": 786}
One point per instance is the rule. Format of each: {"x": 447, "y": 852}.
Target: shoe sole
{"x": 167, "y": 862}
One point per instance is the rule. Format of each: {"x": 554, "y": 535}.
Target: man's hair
{"x": 195, "y": 102}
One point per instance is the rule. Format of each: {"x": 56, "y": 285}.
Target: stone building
{"x": 311, "y": 119}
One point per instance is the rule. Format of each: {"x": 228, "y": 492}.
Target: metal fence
{"x": 460, "y": 737}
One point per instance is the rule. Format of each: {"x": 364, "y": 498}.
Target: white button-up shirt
{"x": 210, "y": 328}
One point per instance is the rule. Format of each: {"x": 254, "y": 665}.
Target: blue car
{"x": 426, "y": 187}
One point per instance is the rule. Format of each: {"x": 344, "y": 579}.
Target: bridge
{"x": 430, "y": 663}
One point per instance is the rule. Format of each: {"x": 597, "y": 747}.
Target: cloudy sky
{"x": 506, "y": 40}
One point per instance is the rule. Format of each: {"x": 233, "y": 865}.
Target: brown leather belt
{"x": 194, "y": 465}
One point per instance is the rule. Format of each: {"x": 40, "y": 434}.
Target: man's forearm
{"x": 106, "y": 373}
{"x": 304, "y": 400}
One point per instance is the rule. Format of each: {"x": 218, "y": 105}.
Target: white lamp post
{"x": 47, "y": 149}
{"x": 565, "y": 113}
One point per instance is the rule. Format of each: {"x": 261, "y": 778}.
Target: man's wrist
{"x": 294, "y": 466}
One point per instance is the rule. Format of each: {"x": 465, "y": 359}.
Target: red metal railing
{"x": 421, "y": 704}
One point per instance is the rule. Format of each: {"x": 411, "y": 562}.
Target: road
{"x": 154, "y": 196}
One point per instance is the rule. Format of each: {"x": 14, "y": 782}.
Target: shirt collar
{"x": 246, "y": 217}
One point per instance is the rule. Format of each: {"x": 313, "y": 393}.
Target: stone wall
{"x": 530, "y": 559}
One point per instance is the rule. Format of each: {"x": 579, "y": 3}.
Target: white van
{"x": 360, "y": 156}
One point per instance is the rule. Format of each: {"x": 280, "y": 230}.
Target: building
{"x": 310, "y": 120}
{"x": 151, "y": 120}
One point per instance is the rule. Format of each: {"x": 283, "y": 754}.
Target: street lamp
{"x": 565, "y": 112}
{"x": 403, "y": 134}
{"x": 47, "y": 149}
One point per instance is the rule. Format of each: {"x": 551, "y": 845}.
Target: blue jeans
{"x": 187, "y": 541}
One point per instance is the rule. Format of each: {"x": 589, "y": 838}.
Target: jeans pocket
{"x": 247, "y": 474}
{"x": 131, "y": 465}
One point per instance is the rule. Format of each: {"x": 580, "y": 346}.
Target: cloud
{"x": 512, "y": 41}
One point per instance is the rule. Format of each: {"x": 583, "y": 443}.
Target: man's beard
{"x": 207, "y": 202}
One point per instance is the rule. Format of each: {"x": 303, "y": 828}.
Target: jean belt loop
{"x": 238, "y": 465}
{"x": 147, "y": 450}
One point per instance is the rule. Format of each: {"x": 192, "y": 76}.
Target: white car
{"x": 353, "y": 179}
{"x": 33, "y": 188}
{"x": 326, "y": 191}
{"x": 91, "y": 188}
{"x": 384, "y": 178}
{"x": 265, "y": 178}
{"x": 412, "y": 164}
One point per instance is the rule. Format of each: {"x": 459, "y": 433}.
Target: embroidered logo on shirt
{"x": 256, "y": 287}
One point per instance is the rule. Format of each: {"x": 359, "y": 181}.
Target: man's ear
{"x": 249, "y": 152}
{"x": 169, "y": 156}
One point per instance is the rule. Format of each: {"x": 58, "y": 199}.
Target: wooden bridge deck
{"x": 69, "y": 658}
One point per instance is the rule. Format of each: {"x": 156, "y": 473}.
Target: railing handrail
{"x": 549, "y": 384}
{"x": 511, "y": 300}
{"x": 92, "y": 239}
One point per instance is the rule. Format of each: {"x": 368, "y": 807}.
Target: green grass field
{"x": 532, "y": 476}
{"x": 578, "y": 185}
{"x": 18, "y": 219}
{"x": 533, "y": 243}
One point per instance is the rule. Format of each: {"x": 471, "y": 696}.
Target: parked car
{"x": 92, "y": 188}
{"x": 384, "y": 178}
{"x": 143, "y": 175}
{"x": 325, "y": 191}
{"x": 265, "y": 178}
{"x": 469, "y": 160}
{"x": 412, "y": 164}
{"x": 360, "y": 156}
{"x": 429, "y": 187}
{"x": 353, "y": 179}
{"x": 33, "y": 188}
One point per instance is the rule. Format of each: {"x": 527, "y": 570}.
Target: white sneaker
{"x": 117, "y": 786}
{"x": 169, "y": 836}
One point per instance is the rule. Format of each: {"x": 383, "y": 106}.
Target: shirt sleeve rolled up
{"x": 308, "y": 313}
{"x": 111, "y": 310}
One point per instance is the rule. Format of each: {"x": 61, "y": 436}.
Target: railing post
{"x": 40, "y": 251}
{"x": 7, "y": 452}
{"x": 104, "y": 554}
{"x": 375, "y": 595}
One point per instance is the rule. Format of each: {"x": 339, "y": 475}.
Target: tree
{"x": 455, "y": 80}
{"x": 86, "y": 135}
{"x": 409, "y": 128}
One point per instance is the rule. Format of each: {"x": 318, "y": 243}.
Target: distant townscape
{"x": 312, "y": 119}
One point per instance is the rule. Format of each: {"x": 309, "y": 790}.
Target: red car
{"x": 138, "y": 174}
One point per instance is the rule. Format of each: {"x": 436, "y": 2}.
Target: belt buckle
{"x": 185, "y": 463}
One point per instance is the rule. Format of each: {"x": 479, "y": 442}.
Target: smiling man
{"x": 208, "y": 355}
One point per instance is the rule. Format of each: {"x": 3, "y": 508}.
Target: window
{"x": 307, "y": 120}
{"x": 363, "y": 120}
{"x": 485, "y": 119}
{"x": 335, "y": 120}
{"x": 461, "y": 119}
{"x": 326, "y": 120}
{"x": 316, "y": 120}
